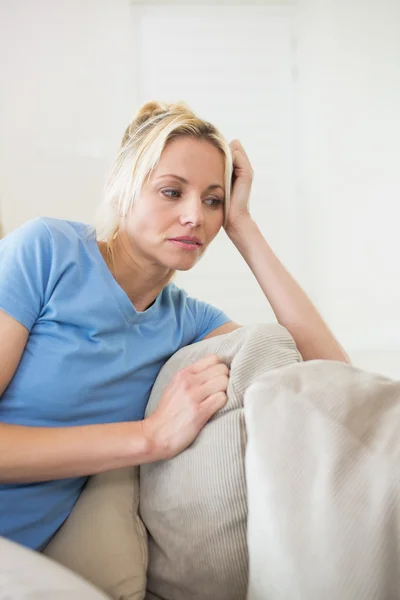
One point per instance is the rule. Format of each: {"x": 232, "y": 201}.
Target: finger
{"x": 211, "y": 372}
{"x": 241, "y": 160}
{"x": 236, "y": 146}
{"x": 217, "y": 384}
{"x": 204, "y": 363}
{"x": 213, "y": 404}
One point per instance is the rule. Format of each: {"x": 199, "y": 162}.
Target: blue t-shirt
{"x": 90, "y": 356}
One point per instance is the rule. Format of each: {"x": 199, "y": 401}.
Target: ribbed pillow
{"x": 195, "y": 505}
{"x": 104, "y": 539}
{"x": 323, "y": 476}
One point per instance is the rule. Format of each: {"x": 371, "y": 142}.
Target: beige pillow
{"x": 323, "y": 476}
{"x": 194, "y": 506}
{"x": 104, "y": 539}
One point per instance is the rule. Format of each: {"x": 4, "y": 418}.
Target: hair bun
{"x": 146, "y": 111}
{"x": 149, "y": 110}
{"x": 152, "y": 109}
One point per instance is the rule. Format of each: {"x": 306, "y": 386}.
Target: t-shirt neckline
{"x": 124, "y": 303}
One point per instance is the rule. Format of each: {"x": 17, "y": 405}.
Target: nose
{"x": 192, "y": 212}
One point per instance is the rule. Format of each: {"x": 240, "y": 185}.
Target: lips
{"x": 188, "y": 243}
{"x": 187, "y": 239}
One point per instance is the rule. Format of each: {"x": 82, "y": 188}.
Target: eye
{"x": 213, "y": 202}
{"x": 171, "y": 193}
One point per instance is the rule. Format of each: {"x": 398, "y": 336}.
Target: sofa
{"x": 290, "y": 492}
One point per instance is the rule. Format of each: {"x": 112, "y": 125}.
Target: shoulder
{"x": 180, "y": 299}
{"x": 45, "y": 229}
{"x": 43, "y": 241}
{"x": 184, "y": 301}
{"x": 69, "y": 239}
{"x": 200, "y": 316}
{"x": 28, "y": 243}
{"x": 62, "y": 229}
{"x": 31, "y": 230}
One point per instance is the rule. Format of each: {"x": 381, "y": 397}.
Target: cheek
{"x": 147, "y": 225}
{"x": 214, "y": 225}
{"x": 141, "y": 216}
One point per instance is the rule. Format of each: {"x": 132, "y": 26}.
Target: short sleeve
{"x": 25, "y": 261}
{"x": 206, "y": 316}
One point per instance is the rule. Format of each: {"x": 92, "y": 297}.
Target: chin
{"x": 184, "y": 268}
{"x": 182, "y": 264}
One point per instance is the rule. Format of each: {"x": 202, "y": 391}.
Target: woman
{"x": 87, "y": 319}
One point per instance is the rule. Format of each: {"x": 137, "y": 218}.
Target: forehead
{"x": 186, "y": 156}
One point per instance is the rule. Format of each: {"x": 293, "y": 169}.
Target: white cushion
{"x": 323, "y": 477}
{"x": 27, "y": 575}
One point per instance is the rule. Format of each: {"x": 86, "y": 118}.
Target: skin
{"x": 144, "y": 258}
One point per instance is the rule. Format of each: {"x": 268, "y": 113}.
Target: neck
{"x": 141, "y": 280}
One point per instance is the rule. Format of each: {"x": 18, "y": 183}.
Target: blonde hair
{"x": 144, "y": 140}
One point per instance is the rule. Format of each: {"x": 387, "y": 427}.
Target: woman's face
{"x": 181, "y": 206}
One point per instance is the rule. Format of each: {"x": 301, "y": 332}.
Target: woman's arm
{"x": 29, "y": 454}
{"x": 292, "y": 308}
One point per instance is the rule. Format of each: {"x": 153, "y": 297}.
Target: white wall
{"x": 349, "y": 88}
{"x": 67, "y": 91}
{"x": 68, "y": 86}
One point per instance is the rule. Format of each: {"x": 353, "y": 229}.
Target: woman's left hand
{"x": 242, "y": 180}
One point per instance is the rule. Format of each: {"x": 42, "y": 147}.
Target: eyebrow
{"x": 213, "y": 186}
